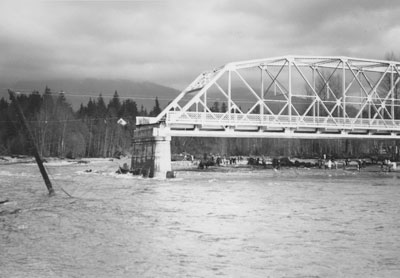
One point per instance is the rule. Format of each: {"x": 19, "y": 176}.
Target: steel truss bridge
{"x": 289, "y": 96}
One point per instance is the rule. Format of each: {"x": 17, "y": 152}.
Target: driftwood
{"x": 36, "y": 154}
{"x": 6, "y": 212}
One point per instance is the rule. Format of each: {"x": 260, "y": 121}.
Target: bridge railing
{"x": 176, "y": 118}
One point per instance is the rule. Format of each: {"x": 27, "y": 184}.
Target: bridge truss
{"x": 290, "y": 96}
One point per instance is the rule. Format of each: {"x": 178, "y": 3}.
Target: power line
{"x": 135, "y": 97}
{"x": 90, "y": 95}
{"x": 67, "y": 120}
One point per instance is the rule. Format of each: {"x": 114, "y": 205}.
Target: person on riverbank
{"x": 329, "y": 164}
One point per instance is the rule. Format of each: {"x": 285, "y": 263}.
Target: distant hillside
{"x": 79, "y": 91}
{"x": 144, "y": 93}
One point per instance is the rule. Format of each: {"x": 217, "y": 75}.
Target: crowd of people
{"x": 218, "y": 160}
{"x": 323, "y": 162}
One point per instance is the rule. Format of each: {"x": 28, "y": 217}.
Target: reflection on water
{"x": 229, "y": 223}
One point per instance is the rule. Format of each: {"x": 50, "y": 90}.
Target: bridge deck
{"x": 200, "y": 121}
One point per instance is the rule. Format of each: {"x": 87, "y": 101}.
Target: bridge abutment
{"x": 151, "y": 151}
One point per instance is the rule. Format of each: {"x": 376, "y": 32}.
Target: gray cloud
{"x": 171, "y": 42}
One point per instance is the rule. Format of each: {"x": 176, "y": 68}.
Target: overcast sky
{"x": 170, "y": 42}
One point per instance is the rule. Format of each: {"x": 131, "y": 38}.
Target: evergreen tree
{"x": 129, "y": 109}
{"x": 156, "y": 110}
{"x": 3, "y": 105}
{"x": 34, "y": 103}
{"x": 143, "y": 111}
{"x": 101, "y": 109}
{"x": 224, "y": 108}
{"x": 91, "y": 108}
{"x": 48, "y": 100}
{"x": 82, "y": 111}
{"x": 215, "y": 107}
{"x": 114, "y": 106}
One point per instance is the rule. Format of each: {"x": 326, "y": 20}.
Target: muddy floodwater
{"x": 226, "y": 222}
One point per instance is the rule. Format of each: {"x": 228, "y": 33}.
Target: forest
{"x": 100, "y": 129}
{"x": 59, "y": 131}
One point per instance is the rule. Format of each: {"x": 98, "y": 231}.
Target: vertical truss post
{"x": 327, "y": 90}
{"x": 205, "y": 102}
{"x": 392, "y": 89}
{"x": 229, "y": 94}
{"x": 262, "y": 96}
{"x": 343, "y": 89}
{"x": 290, "y": 60}
{"x": 361, "y": 115}
{"x": 369, "y": 99}
{"x": 203, "y": 117}
{"x": 313, "y": 83}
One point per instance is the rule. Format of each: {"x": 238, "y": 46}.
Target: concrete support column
{"x": 151, "y": 152}
{"x": 162, "y": 156}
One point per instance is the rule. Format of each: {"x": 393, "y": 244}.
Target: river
{"x": 221, "y": 222}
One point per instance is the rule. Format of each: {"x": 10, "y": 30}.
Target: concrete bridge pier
{"x": 151, "y": 151}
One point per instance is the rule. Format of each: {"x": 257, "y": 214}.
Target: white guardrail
{"x": 225, "y": 119}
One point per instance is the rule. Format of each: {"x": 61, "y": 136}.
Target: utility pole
{"x": 31, "y": 139}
